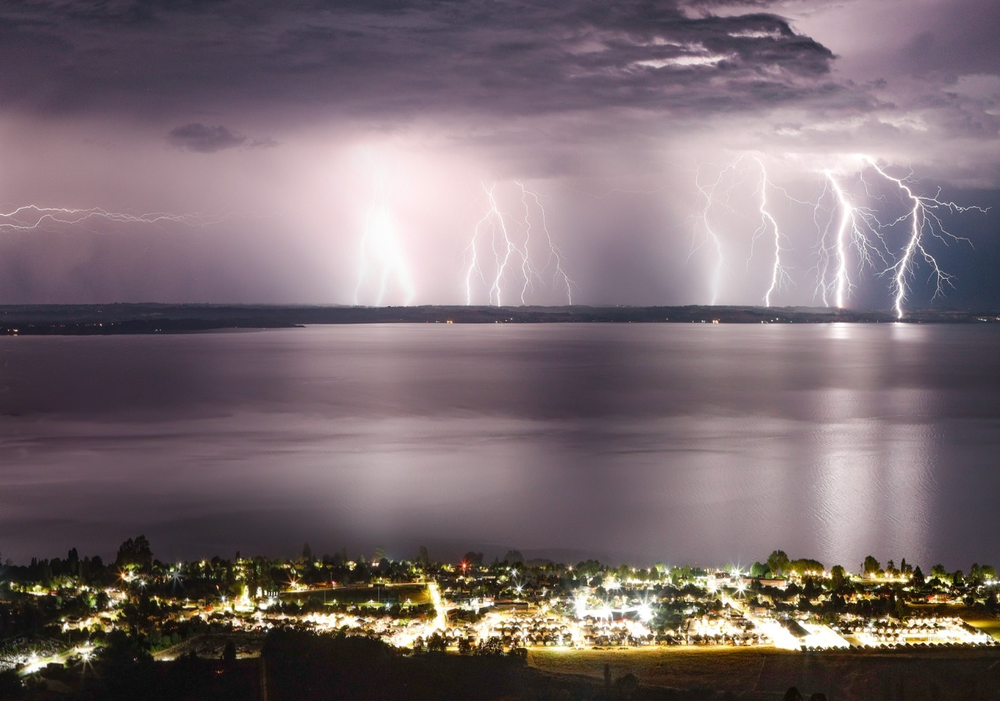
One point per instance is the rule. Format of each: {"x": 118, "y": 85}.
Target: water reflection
{"x": 873, "y": 488}
{"x": 652, "y": 443}
{"x": 873, "y": 482}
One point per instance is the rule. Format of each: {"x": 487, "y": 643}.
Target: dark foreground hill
{"x": 301, "y": 666}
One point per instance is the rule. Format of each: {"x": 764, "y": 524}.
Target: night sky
{"x": 293, "y": 129}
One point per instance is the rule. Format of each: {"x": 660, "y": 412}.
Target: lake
{"x": 676, "y": 443}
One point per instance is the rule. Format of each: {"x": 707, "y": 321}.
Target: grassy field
{"x": 990, "y": 626}
{"x": 767, "y": 673}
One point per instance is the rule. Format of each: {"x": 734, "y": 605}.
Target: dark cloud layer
{"x": 204, "y": 139}
{"x": 201, "y": 138}
{"x": 400, "y": 58}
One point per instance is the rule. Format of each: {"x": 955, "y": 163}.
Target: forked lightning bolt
{"x": 493, "y": 222}
{"x": 503, "y": 250}
{"x": 924, "y": 220}
{"x": 506, "y": 247}
{"x": 847, "y": 231}
{"x": 734, "y": 173}
{"x": 857, "y": 229}
{"x": 555, "y": 260}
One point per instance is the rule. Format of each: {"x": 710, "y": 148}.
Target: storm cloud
{"x": 205, "y": 139}
{"x": 294, "y": 119}
{"x": 397, "y": 59}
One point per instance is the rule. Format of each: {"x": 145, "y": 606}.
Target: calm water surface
{"x": 693, "y": 443}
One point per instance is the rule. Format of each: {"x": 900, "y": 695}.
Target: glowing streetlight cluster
{"x": 472, "y": 608}
{"x": 931, "y": 631}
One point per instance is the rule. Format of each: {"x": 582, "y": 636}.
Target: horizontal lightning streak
{"x": 32, "y": 217}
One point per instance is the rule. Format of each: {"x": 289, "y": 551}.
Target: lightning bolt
{"x": 779, "y": 276}
{"x": 506, "y": 247}
{"x": 857, "y": 229}
{"x": 555, "y": 259}
{"x": 842, "y": 281}
{"x": 32, "y": 217}
{"x": 35, "y": 218}
{"x": 924, "y": 220}
{"x": 708, "y": 192}
{"x": 512, "y": 254}
{"x": 379, "y": 242}
{"x": 849, "y": 233}
{"x": 492, "y": 220}
{"x": 734, "y": 174}
{"x": 823, "y": 251}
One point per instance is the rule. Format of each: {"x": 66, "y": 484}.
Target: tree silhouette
{"x": 777, "y": 562}
{"x": 134, "y": 552}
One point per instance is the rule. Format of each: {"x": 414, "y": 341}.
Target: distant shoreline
{"x": 148, "y": 318}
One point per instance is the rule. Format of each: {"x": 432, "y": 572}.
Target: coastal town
{"x": 66, "y": 613}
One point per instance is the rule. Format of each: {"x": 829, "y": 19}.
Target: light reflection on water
{"x": 874, "y": 485}
{"x": 672, "y": 443}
